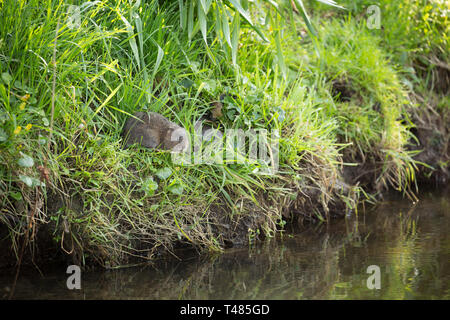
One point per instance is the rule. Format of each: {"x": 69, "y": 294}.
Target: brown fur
{"x": 152, "y": 130}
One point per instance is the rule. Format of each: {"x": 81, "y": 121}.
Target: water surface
{"x": 410, "y": 243}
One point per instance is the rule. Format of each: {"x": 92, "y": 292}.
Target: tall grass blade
{"x": 237, "y": 5}
{"x": 202, "y": 21}
{"x": 132, "y": 40}
{"x": 235, "y": 38}
{"x": 226, "y": 27}
{"x": 304, "y": 14}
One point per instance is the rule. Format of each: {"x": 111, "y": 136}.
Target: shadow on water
{"x": 410, "y": 244}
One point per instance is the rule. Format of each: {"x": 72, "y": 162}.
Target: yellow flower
{"x": 17, "y": 131}
{"x": 22, "y": 105}
{"x": 28, "y": 127}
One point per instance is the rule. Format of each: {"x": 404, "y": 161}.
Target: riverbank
{"x": 354, "y": 107}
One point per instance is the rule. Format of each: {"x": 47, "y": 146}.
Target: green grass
{"x": 104, "y": 204}
{"x": 417, "y": 49}
{"x": 372, "y": 116}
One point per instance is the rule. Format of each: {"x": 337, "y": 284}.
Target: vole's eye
{"x": 180, "y": 139}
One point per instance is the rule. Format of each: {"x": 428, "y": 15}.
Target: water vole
{"x": 152, "y": 130}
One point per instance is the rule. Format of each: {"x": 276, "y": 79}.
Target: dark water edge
{"x": 410, "y": 243}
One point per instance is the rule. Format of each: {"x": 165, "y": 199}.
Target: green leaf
{"x": 158, "y": 60}
{"x": 331, "y": 3}
{"x": 275, "y": 5}
{"x": 149, "y": 186}
{"x": 280, "y": 56}
{"x": 237, "y": 5}
{"x": 242, "y": 12}
{"x": 176, "y": 189}
{"x": 186, "y": 83}
{"x": 280, "y": 114}
{"x": 105, "y": 102}
{"x": 31, "y": 182}
{"x": 3, "y": 92}
{"x": 226, "y": 28}
{"x": 42, "y": 140}
{"x": 27, "y": 180}
{"x": 26, "y": 161}
{"x": 132, "y": 40}
{"x": 235, "y": 38}
{"x": 37, "y": 182}
{"x": 183, "y": 14}
{"x": 202, "y": 21}
{"x": 3, "y": 135}
{"x": 6, "y": 77}
{"x": 138, "y": 22}
{"x": 16, "y": 195}
{"x": 136, "y": 5}
{"x": 190, "y": 20}
{"x": 218, "y": 23}
{"x": 18, "y": 84}
{"x": 301, "y": 8}
{"x": 203, "y": 5}
{"x": 210, "y": 86}
{"x": 164, "y": 173}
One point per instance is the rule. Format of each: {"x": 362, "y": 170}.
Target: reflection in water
{"x": 410, "y": 244}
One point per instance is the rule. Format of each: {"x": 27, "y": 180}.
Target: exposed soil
{"x": 230, "y": 231}
{"x": 433, "y": 134}
{"x": 436, "y": 71}
{"x": 342, "y": 90}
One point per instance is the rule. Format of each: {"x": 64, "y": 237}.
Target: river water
{"x": 409, "y": 244}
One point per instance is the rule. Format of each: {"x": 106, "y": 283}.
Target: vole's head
{"x": 177, "y": 140}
